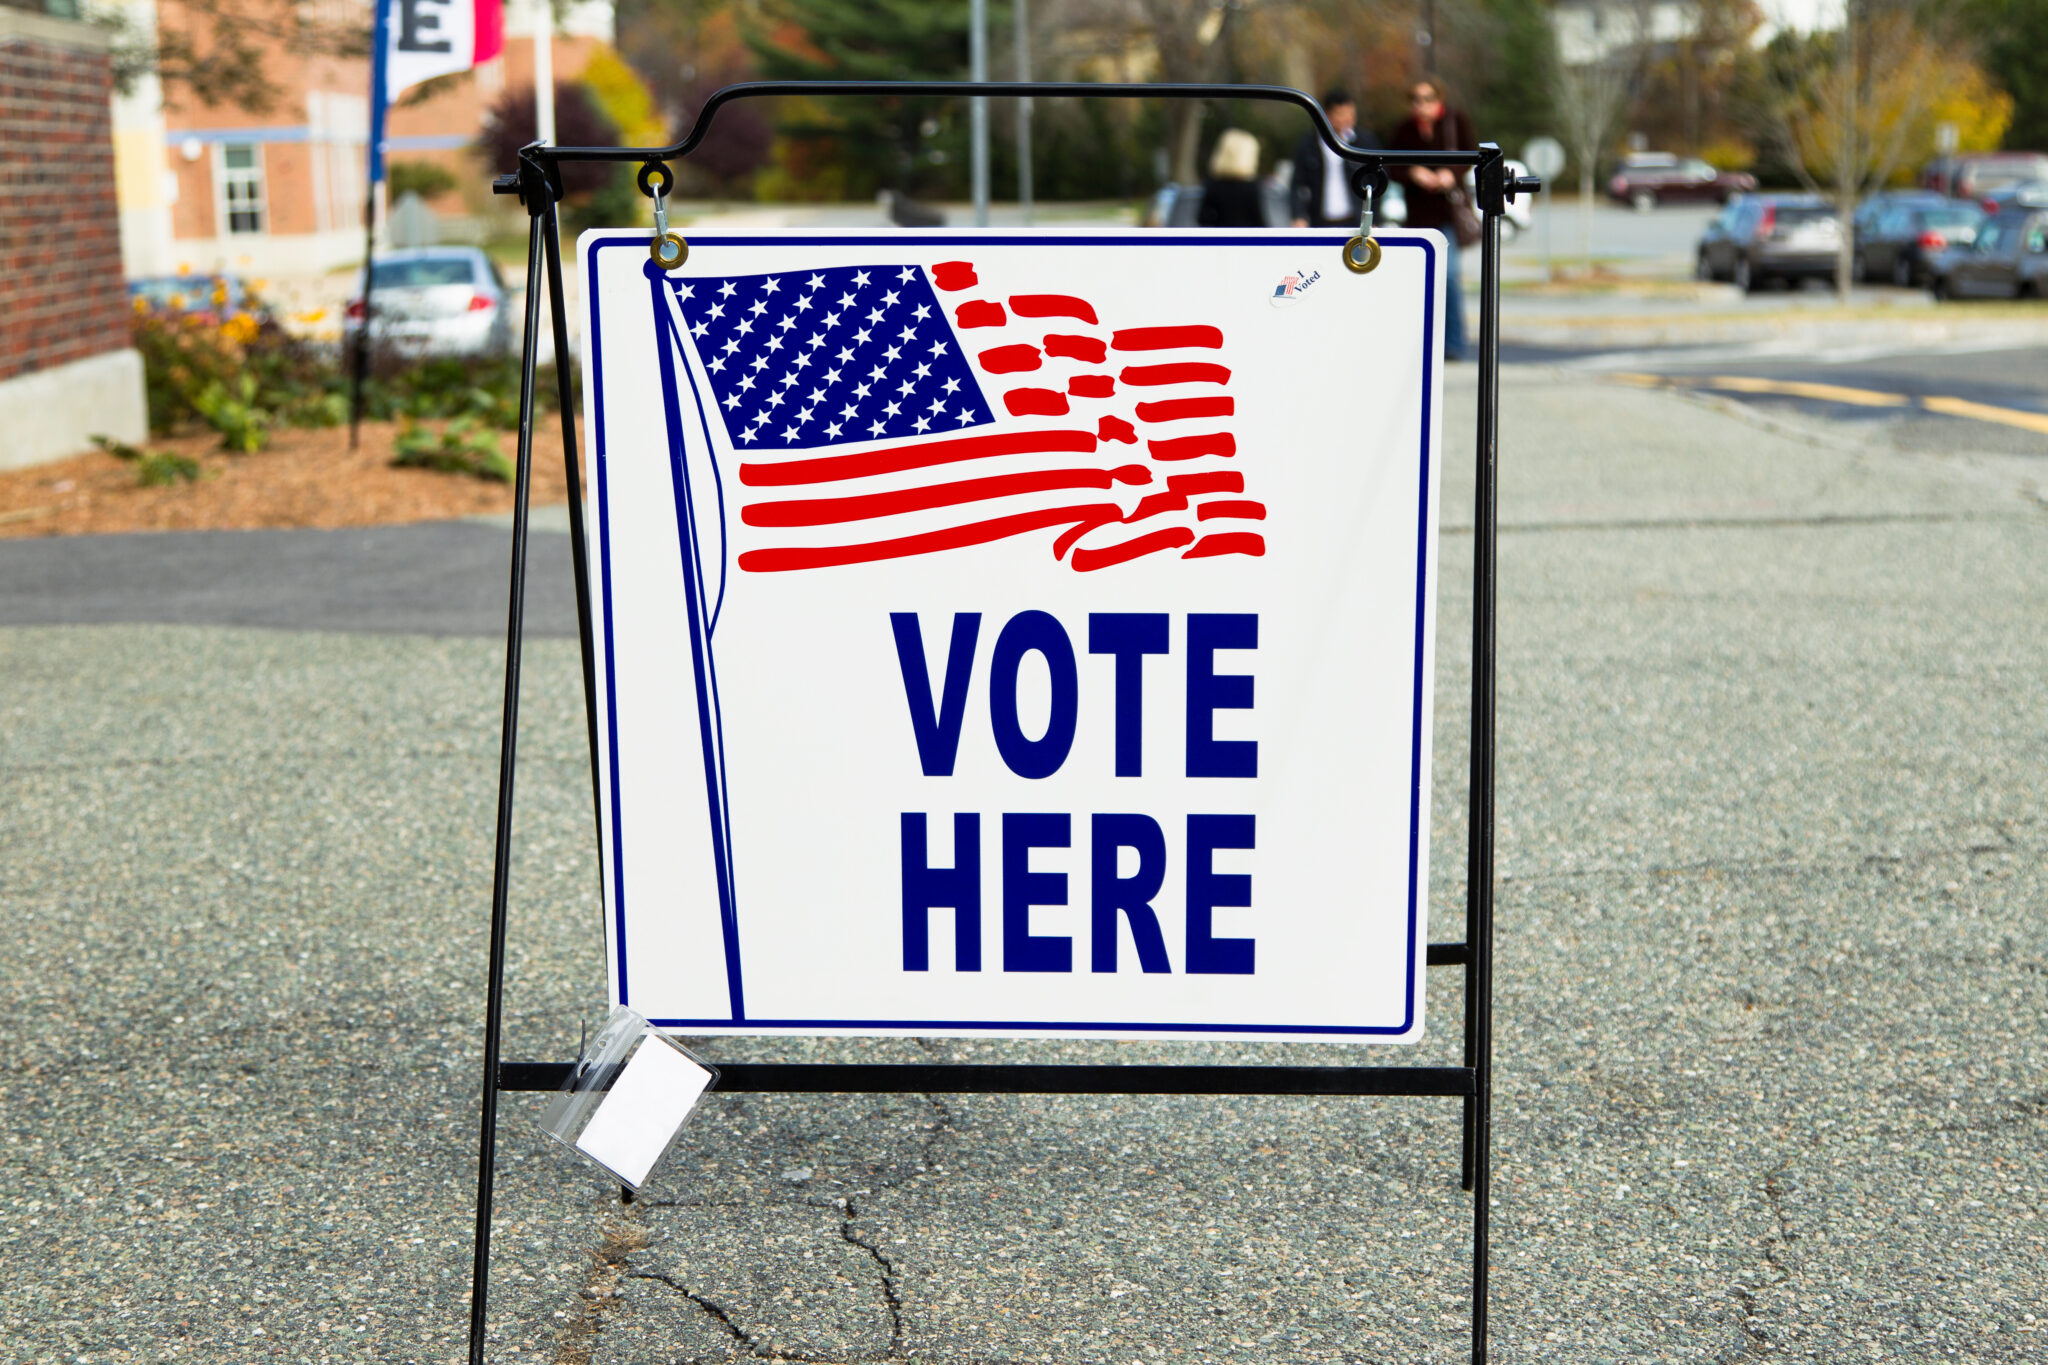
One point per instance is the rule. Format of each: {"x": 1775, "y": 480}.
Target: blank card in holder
{"x": 627, "y": 1099}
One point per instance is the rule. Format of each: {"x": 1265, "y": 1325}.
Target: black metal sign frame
{"x": 538, "y": 185}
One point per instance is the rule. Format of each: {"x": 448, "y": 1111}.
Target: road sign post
{"x": 752, "y": 524}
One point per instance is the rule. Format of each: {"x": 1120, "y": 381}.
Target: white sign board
{"x": 1015, "y": 635}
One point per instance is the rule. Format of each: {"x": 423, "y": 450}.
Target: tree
{"x": 1595, "y": 69}
{"x": 894, "y": 143}
{"x": 214, "y": 50}
{"x": 2014, "y": 38}
{"x": 1851, "y": 107}
{"x": 684, "y": 50}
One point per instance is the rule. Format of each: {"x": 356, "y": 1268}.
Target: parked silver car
{"x": 1765, "y": 239}
{"x": 443, "y": 300}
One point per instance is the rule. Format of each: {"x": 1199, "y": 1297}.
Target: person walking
{"x": 1322, "y": 195}
{"x": 1433, "y": 125}
{"x": 1230, "y": 196}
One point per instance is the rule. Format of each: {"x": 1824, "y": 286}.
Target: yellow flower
{"x": 141, "y": 303}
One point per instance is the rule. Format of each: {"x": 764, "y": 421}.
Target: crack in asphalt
{"x": 719, "y": 1315}
{"x": 848, "y": 1212}
{"x": 890, "y": 1295}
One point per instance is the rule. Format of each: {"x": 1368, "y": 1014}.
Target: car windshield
{"x": 425, "y": 273}
{"x": 184, "y": 291}
{"x": 1960, "y": 216}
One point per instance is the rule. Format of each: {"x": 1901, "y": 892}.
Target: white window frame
{"x": 255, "y": 175}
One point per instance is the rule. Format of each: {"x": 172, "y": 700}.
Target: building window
{"x": 241, "y": 181}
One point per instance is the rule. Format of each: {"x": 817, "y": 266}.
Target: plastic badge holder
{"x": 627, "y": 1099}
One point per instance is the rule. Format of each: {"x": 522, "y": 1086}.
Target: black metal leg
{"x": 1479, "y": 896}
{"x": 501, "y": 875}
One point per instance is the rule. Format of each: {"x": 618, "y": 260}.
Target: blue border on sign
{"x": 638, "y": 241}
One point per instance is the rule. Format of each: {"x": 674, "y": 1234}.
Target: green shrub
{"x": 162, "y": 468}
{"x": 243, "y": 426}
{"x": 153, "y": 469}
{"x": 423, "y": 178}
{"x": 461, "y": 447}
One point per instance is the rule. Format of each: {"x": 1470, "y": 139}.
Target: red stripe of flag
{"x": 891, "y": 459}
{"x": 1186, "y": 372}
{"x": 1165, "y": 539}
{"x": 1076, "y": 348}
{"x": 832, "y": 511}
{"x": 1035, "y": 403}
{"x": 952, "y": 538}
{"x": 1216, "y": 481}
{"x": 1009, "y": 359}
{"x": 1051, "y": 306}
{"x": 1193, "y": 447}
{"x": 1174, "y": 409}
{"x": 1228, "y": 543}
{"x": 1165, "y": 338}
{"x": 1246, "y": 510}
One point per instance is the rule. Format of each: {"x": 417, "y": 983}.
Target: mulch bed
{"x": 307, "y": 477}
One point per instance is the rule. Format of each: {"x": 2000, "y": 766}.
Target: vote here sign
{"x": 1011, "y": 634}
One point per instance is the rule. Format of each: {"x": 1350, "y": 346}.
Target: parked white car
{"x": 442, "y": 300}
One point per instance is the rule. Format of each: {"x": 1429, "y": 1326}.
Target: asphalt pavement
{"x": 1772, "y": 1008}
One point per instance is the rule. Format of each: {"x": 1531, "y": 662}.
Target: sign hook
{"x": 668, "y": 249}
{"x": 1362, "y": 253}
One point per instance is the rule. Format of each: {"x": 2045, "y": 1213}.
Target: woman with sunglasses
{"x": 1432, "y": 125}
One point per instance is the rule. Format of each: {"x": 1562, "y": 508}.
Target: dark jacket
{"x": 1231, "y": 203}
{"x": 1453, "y": 133}
{"x": 1305, "y": 196}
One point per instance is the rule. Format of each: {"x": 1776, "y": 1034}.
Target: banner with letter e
{"x": 1015, "y": 635}
{"x": 419, "y": 40}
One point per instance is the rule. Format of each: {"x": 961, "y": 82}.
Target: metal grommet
{"x": 1361, "y": 264}
{"x": 648, "y": 171}
{"x": 669, "y": 250}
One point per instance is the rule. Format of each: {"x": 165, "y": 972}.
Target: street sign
{"x": 1544, "y": 156}
{"x": 1015, "y": 635}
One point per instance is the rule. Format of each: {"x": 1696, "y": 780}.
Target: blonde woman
{"x": 1230, "y": 196}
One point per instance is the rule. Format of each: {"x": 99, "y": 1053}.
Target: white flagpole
{"x": 544, "y": 70}
{"x": 977, "y": 50}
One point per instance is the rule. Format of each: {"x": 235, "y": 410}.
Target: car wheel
{"x": 1745, "y": 276}
{"x": 1642, "y": 201}
{"x": 1903, "y": 273}
{"x": 1941, "y": 288}
{"x": 1703, "y": 269}
{"x": 1859, "y": 267}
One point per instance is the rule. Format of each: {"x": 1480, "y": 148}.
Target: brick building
{"x": 67, "y": 371}
{"x": 281, "y": 192}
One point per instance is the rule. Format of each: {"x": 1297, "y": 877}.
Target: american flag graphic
{"x": 878, "y": 412}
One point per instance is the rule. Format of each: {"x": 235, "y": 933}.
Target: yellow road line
{"x": 1984, "y": 412}
{"x": 1794, "y": 388}
{"x": 1837, "y": 393}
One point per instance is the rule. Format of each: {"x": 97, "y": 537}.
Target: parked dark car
{"x": 1975, "y": 174}
{"x": 1867, "y": 211}
{"x": 2007, "y": 260}
{"x": 1902, "y": 238}
{"x": 1764, "y": 239}
{"x": 1647, "y": 179}
{"x": 2031, "y": 194}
